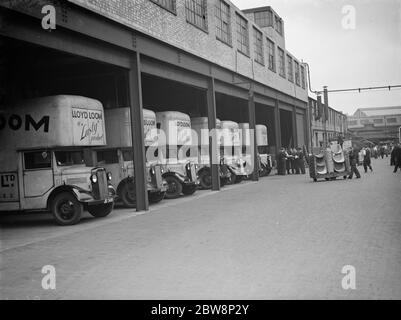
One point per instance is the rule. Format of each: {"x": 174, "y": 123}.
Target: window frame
{"x": 50, "y": 154}
{"x": 220, "y": 22}
{"x": 297, "y": 73}
{"x": 192, "y": 12}
{"x": 274, "y": 68}
{"x": 260, "y": 54}
{"x": 290, "y": 68}
{"x": 268, "y": 13}
{"x": 282, "y": 65}
{"x": 303, "y": 80}
{"x": 242, "y": 39}
{"x": 172, "y": 10}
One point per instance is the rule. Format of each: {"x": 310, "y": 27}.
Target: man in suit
{"x": 353, "y": 156}
{"x": 397, "y": 157}
{"x": 367, "y": 160}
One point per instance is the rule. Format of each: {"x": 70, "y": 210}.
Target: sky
{"x": 365, "y": 54}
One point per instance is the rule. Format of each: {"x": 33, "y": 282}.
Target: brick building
{"x": 204, "y": 58}
{"x": 336, "y": 124}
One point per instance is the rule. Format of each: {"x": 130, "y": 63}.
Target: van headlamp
{"x": 94, "y": 178}
{"x": 109, "y": 176}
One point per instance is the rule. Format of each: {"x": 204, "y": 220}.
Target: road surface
{"x": 284, "y": 237}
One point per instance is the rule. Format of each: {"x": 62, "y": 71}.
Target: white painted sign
{"x": 88, "y": 127}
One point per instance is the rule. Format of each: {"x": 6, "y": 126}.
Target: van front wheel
{"x": 66, "y": 209}
{"x": 101, "y": 210}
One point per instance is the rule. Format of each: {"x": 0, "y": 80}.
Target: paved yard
{"x": 280, "y": 238}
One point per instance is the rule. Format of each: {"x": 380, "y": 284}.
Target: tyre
{"x": 205, "y": 179}
{"x": 66, "y": 209}
{"x": 345, "y": 177}
{"x": 223, "y": 181}
{"x": 314, "y": 179}
{"x": 174, "y": 189}
{"x": 189, "y": 190}
{"x": 238, "y": 179}
{"x": 101, "y": 210}
{"x": 155, "y": 197}
{"x": 127, "y": 194}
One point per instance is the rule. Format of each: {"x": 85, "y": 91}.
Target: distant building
{"x": 376, "y": 124}
{"x": 336, "y": 124}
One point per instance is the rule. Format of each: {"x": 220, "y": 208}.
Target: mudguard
{"x": 183, "y": 179}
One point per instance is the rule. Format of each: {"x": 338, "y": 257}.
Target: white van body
{"x": 231, "y": 147}
{"x": 44, "y": 145}
{"x": 175, "y": 137}
{"x": 262, "y": 144}
{"x": 200, "y": 134}
{"x": 117, "y": 157}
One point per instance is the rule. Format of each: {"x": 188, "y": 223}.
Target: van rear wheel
{"x": 155, "y": 197}
{"x": 127, "y": 195}
{"x": 205, "y": 179}
{"x": 101, "y": 210}
{"x": 66, "y": 209}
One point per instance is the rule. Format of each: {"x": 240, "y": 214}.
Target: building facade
{"x": 336, "y": 124}
{"x": 203, "y": 58}
{"x": 376, "y": 124}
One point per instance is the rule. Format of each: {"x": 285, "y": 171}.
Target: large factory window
{"x": 196, "y": 13}
{"x": 258, "y": 41}
{"x": 297, "y": 76}
{"x": 242, "y": 35}
{"x": 264, "y": 18}
{"x": 281, "y": 62}
{"x": 303, "y": 77}
{"x": 271, "y": 55}
{"x": 290, "y": 69}
{"x": 223, "y": 23}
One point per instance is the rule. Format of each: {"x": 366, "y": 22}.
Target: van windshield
{"x": 69, "y": 158}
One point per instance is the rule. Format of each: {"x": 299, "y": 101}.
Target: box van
{"x": 200, "y": 127}
{"x": 231, "y": 150}
{"x": 117, "y": 156}
{"x": 45, "y": 160}
{"x": 180, "y": 164}
{"x": 265, "y": 159}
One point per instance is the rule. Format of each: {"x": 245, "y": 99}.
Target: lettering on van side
{"x": 16, "y": 122}
{"x": 8, "y": 187}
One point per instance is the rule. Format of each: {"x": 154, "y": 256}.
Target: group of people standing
{"x": 291, "y": 161}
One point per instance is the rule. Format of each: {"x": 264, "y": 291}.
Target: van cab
{"x": 265, "y": 159}
{"x": 117, "y": 156}
{"x": 231, "y": 150}
{"x": 180, "y": 163}
{"x": 200, "y": 134}
{"x": 45, "y": 161}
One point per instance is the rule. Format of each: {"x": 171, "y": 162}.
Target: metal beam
{"x": 213, "y": 145}
{"x": 138, "y": 148}
{"x": 294, "y": 126}
{"x": 252, "y": 128}
{"x": 277, "y": 126}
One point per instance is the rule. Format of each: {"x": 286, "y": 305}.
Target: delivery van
{"x": 265, "y": 159}
{"x": 246, "y": 141}
{"x": 117, "y": 156}
{"x": 200, "y": 134}
{"x": 180, "y": 165}
{"x": 231, "y": 150}
{"x": 45, "y": 158}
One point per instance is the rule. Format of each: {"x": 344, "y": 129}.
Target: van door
{"x": 37, "y": 173}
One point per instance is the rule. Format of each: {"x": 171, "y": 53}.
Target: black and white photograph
{"x": 216, "y": 152}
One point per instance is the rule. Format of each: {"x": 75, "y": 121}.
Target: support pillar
{"x": 138, "y": 148}
{"x": 252, "y": 131}
{"x": 294, "y": 127}
{"x": 277, "y": 126}
{"x": 213, "y": 145}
